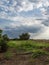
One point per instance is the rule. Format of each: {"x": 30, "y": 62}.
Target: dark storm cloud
{"x": 46, "y": 22}
{"x": 13, "y": 33}
{"x": 34, "y": 1}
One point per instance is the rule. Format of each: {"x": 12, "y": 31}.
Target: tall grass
{"x": 27, "y": 45}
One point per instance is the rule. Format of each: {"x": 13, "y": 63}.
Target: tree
{"x": 5, "y": 37}
{"x": 0, "y": 33}
{"x": 24, "y": 36}
{"x": 3, "y": 43}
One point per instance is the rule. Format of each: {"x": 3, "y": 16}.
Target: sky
{"x": 21, "y": 16}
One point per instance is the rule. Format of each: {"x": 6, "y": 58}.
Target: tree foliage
{"x": 3, "y": 42}
{"x": 24, "y": 36}
{"x": 5, "y": 37}
{"x": 0, "y": 33}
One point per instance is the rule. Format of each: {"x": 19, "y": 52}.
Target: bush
{"x": 3, "y": 45}
{"x": 3, "y": 42}
{"x": 39, "y": 53}
{"x": 8, "y": 55}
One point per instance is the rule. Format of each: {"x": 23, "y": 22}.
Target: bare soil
{"x": 24, "y": 59}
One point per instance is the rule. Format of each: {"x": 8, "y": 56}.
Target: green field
{"x": 29, "y": 46}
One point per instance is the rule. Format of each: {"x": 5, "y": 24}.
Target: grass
{"x": 27, "y": 45}
{"x": 38, "y": 53}
{"x": 33, "y": 43}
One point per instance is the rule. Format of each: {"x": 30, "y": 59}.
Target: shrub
{"x": 3, "y": 45}
{"x": 39, "y": 53}
{"x": 3, "y": 42}
{"x": 8, "y": 55}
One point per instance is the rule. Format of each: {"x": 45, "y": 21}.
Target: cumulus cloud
{"x": 46, "y": 22}
{"x": 12, "y": 7}
{"x": 43, "y": 35}
{"x": 17, "y": 14}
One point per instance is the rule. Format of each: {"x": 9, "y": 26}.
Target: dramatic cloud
{"x": 18, "y": 16}
{"x": 43, "y": 35}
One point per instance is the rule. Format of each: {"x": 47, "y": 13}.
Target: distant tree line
{"x": 23, "y": 36}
